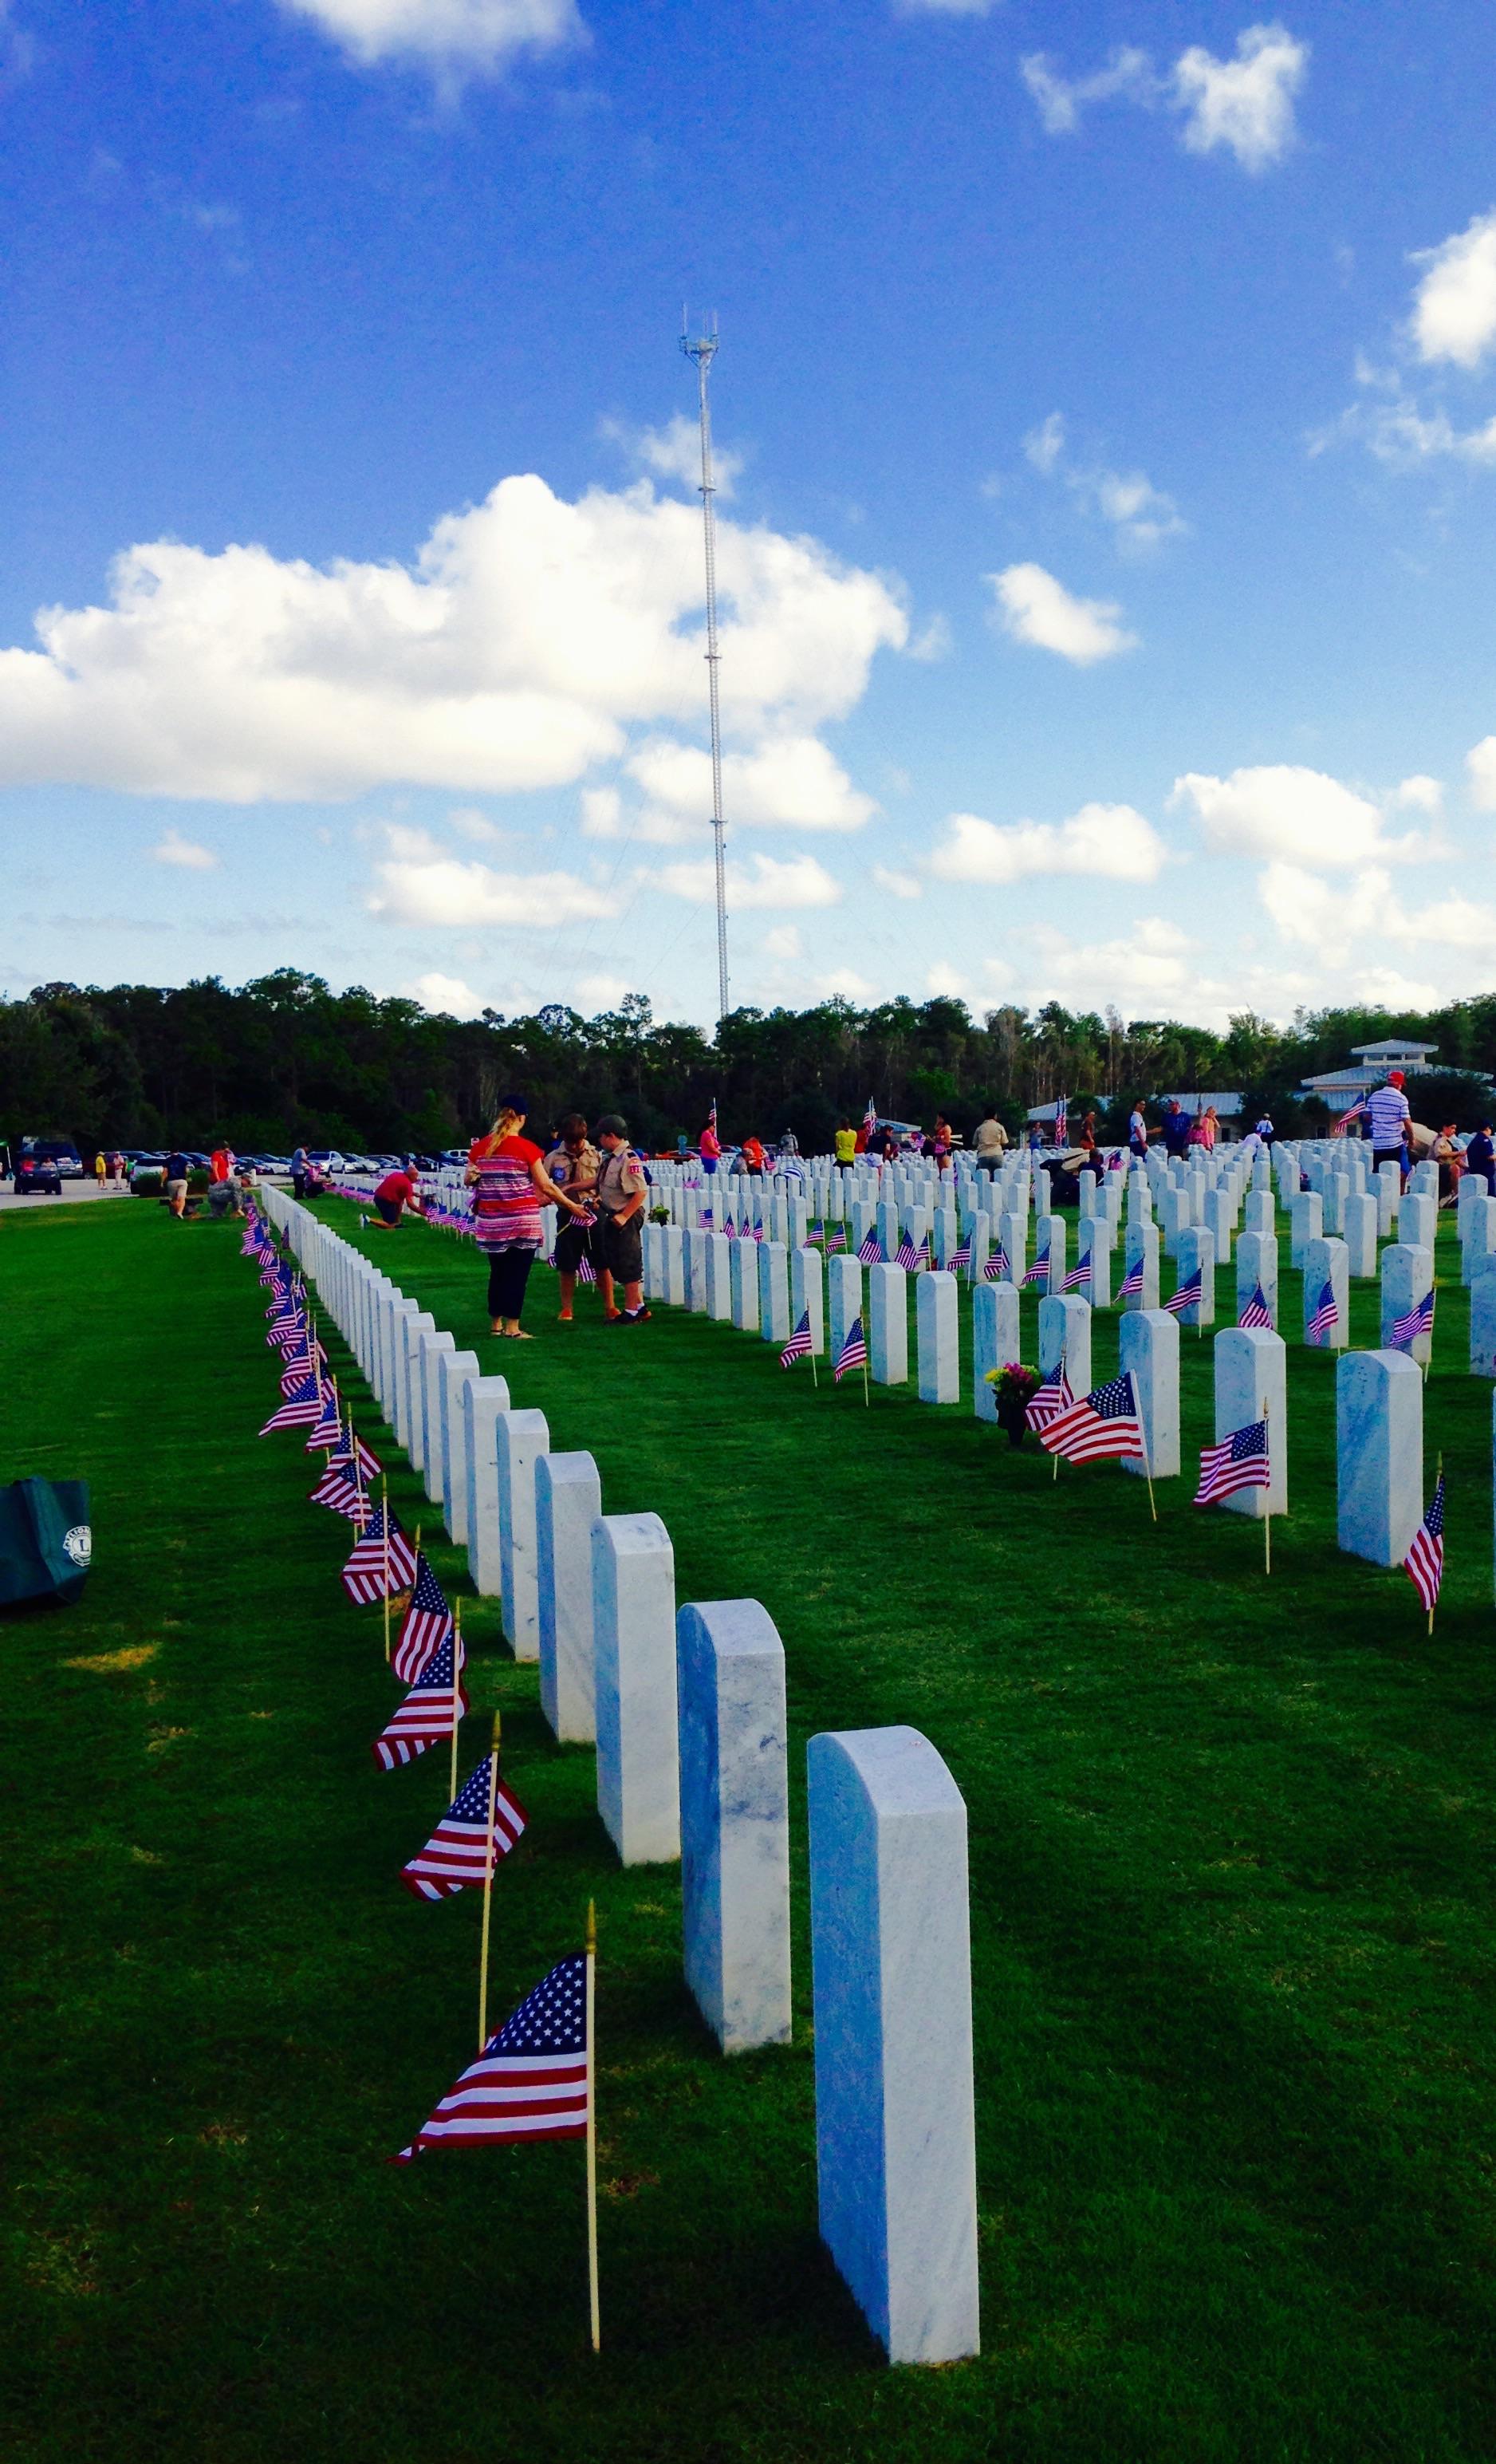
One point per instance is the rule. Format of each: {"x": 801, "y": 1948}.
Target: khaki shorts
{"x": 622, "y": 1247}
{"x": 176, "y": 1189}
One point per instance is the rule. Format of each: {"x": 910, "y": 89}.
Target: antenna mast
{"x": 703, "y": 351}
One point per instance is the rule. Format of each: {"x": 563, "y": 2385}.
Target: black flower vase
{"x": 1013, "y": 1416}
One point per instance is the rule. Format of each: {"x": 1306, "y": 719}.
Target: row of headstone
{"x": 686, "y": 1706}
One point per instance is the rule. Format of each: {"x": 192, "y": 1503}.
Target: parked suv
{"x": 43, "y": 1164}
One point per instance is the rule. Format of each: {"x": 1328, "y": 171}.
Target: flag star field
{"x": 1105, "y": 422}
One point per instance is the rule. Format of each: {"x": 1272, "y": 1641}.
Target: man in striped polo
{"x": 1387, "y": 1117}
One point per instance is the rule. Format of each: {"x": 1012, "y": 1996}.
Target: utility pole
{"x": 702, "y": 348}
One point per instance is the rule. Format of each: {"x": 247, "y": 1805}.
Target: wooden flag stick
{"x": 383, "y": 1499}
{"x": 488, "y": 1888}
{"x": 456, "y": 1690}
{"x": 592, "y": 2127}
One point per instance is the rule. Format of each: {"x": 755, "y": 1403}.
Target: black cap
{"x": 612, "y": 1126}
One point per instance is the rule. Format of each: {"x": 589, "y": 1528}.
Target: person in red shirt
{"x": 396, "y": 1191}
{"x": 508, "y": 1179}
{"x": 220, "y": 1163}
{"x": 753, "y": 1155}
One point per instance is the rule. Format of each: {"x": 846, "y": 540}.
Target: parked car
{"x": 61, "y": 1155}
{"x": 37, "y": 1177}
{"x": 326, "y": 1161}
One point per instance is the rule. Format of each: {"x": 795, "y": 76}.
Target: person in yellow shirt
{"x": 846, "y": 1144}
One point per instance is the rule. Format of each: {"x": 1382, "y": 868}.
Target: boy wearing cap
{"x": 619, "y": 1197}
{"x": 1387, "y": 1120}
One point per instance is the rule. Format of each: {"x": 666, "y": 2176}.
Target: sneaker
{"x": 563, "y": 1317}
{"x": 636, "y": 1317}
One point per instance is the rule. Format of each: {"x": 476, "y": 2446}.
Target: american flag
{"x": 456, "y": 1852}
{"x": 586, "y": 1272}
{"x": 1424, "y": 1562}
{"x": 1419, "y": 1321}
{"x": 959, "y": 1257}
{"x": 996, "y": 1264}
{"x": 1079, "y": 1278}
{"x": 1048, "y": 1401}
{"x": 340, "y": 1488}
{"x": 908, "y": 1256}
{"x": 1039, "y": 1271}
{"x": 1062, "y": 1122}
{"x": 854, "y": 1353}
{"x": 1326, "y": 1317}
{"x": 327, "y": 1430}
{"x": 1240, "y": 1461}
{"x": 1132, "y": 1288}
{"x": 1191, "y": 1292}
{"x": 870, "y": 1254}
{"x": 869, "y": 1118}
{"x": 798, "y": 1346}
{"x": 368, "y": 1462}
{"x": 532, "y": 2080}
{"x": 1104, "y": 1422}
{"x": 425, "y": 1717}
{"x": 302, "y": 1407}
{"x": 1257, "y": 1311}
{"x": 363, "y": 1574}
{"x": 425, "y": 1626}
{"x": 312, "y": 1361}
{"x": 728, "y": 1227}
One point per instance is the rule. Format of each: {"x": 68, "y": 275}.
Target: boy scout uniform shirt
{"x": 620, "y": 1180}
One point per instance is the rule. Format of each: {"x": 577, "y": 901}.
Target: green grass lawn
{"x": 1233, "y": 1926}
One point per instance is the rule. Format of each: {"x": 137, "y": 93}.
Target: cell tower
{"x": 702, "y": 348}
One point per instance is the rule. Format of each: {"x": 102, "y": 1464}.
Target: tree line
{"x": 284, "y": 1058}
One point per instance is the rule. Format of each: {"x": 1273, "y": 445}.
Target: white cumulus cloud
{"x": 789, "y": 782}
{"x": 1280, "y": 809}
{"x": 172, "y": 849}
{"x": 447, "y": 34}
{"x": 673, "y": 453}
{"x": 1454, "y": 309}
{"x": 896, "y": 884}
{"x": 443, "y": 890}
{"x": 447, "y": 994}
{"x": 1246, "y": 103}
{"x": 1456, "y": 922}
{"x": 1140, "y": 514}
{"x": 1331, "y": 918}
{"x": 1110, "y": 841}
{"x": 1035, "y": 608}
{"x": 764, "y": 881}
{"x": 526, "y": 635}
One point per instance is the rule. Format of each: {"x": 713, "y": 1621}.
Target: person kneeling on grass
{"x": 395, "y": 1193}
{"x": 508, "y": 1179}
{"x": 619, "y": 1199}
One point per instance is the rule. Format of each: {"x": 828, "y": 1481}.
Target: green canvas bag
{"x": 46, "y": 1541}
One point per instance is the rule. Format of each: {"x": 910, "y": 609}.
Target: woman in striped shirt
{"x": 508, "y": 1179}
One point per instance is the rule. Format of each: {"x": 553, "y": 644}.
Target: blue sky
{"x": 1106, "y": 398}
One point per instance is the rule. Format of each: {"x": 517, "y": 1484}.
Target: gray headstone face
{"x": 1064, "y": 1323}
{"x": 844, "y": 1279}
{"x": 1477, "y": 1230}
{"x": 396, "y": 1408}
{"x": 638, "y": 1756}
{"x": 1305, "y": 1215}
{"x": 1257, "y": 1214}
{"x": 568, "y": 1500}
{"x": 895, "y": 2139}
{"x": 483, "y": 1398}
{"x": 1257, "y": 1266}
{"x": 995, "y": 1340}
{"x": 1220, "y": 1220}
{"x": 774, "y": 1293}
{"x": 1418, "y": 1220}
{"x": 1251, "y": 1383}
{"x": 745, "y": 1272}
{"x": 519, "y": 1438}
{"x": 734, "y": 1821}
{"x": 457, "y": 1368}
{"x": 673, "y": 1266}
{"x": 1148, "y": 1344}
{"x": 1482, "y": 1320}
{"x": 888, "y": 1346}
{"x": 807, "y": 1294}
{"x": 1143, "y": 1244}
{"x": 1328, "y": 1262}
{"x": 1094, "y": 1244}
{"x": 1198, "y": 1249}
{"x": 1379, "y": 1454}
{"x": 428, "y": 1365}
{"x": 1387, "y": 1188}
{"x": 1407, "y": 1275}
{"x": 720, "y": 1265}
{"x": 1358, "y": 1229}
{"x": 936, "y": 1328}
{"x": 1013, "y": 1233}
{"x": 413, "y": 1386}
